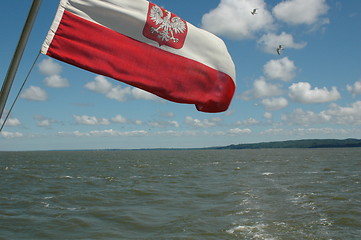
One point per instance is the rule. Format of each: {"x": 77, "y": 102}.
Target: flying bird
{"x": 254, "y": 11}
{"x": 280, "y": 47}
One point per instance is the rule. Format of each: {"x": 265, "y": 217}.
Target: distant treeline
{"x": 307, "y": 143}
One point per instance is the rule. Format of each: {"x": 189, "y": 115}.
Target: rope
{"x": 17, "y": 96}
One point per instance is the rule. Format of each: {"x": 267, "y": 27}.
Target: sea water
{"x": 181, "y": 194}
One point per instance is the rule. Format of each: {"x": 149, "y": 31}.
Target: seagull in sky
{"x": 254, "y": 11}
{"x": 280, "y": 47}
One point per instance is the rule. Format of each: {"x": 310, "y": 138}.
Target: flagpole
{"x": 9, "y": 79}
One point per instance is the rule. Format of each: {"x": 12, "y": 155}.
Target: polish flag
{"x": 146, "y": 46}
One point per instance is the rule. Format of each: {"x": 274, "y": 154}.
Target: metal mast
{"x": 9, "y": 79}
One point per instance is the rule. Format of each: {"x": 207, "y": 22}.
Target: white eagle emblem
{"x": 166, "y": 26}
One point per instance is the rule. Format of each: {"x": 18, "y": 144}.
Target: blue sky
{"x": 311, "y": 90}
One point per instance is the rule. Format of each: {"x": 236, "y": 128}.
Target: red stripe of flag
{"x": 98, "y": 49}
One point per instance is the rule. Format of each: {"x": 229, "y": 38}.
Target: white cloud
{"x": 249, "y": 121}
{"x": 49, "y": 67}
{"x": 350, "y": 115}
{"x": 6, "y": 134}
{"x": 91, "y": 120}
{"x": 303, "y": 118}
{"x": 268, "y": 115}
{"x": 262, "y": 89}
{"x": 301, "y": 11}
{"x": 138, "y": 122}
{"x": 310, "y": 132}
{"x": 11, "y": 122}
{"x": 99, "y": 85}
{"x": 167, "y": 114}
{"x": 274, "y": 103}
{"x": 56, "y": 81}
{"x": 138, "y": 93}
{"x": 162, "y": 124}
{"x": 233, "y": 18}
{"x": 236, "y": 131}
{"x": 118, "y": 93}
{"x": 111, "y": 132}
{"x": 52, "y": 70}
{"x": 335, "y": 114}
{"x": 119, "y": 119}
{"x": 104, "y": 86}
{"x": 301, "y": 92}
{"x": 174, "y": 123}
{"x": 104, "y": 133}
{"x": 283, "y": 69}
{"x": 354, "y": 89}
{"x": 202, "y": 123}
{"x": 35, "y": 94}
{"x": 43, "y": 121}
{"x": 270, "y": 41}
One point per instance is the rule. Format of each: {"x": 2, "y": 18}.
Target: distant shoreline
{"x": 305, "y": 143}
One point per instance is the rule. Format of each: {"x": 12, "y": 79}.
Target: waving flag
{"x": 146, "y": 46}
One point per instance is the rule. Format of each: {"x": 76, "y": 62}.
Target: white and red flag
{"x": 146, "y": 46}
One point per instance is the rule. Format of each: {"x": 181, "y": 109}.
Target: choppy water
{"x": 210, "y": 194}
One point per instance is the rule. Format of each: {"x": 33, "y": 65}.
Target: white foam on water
{"x": 257, "y": 231}
{"x": 66, "y": 177}
{"x": 267, "y": 173}
{"x": 46, "y": 205}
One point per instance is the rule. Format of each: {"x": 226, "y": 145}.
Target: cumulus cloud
{"x": 103, "y": 86}
{"x": 118, "y": 93}
{"x": 350, "y": 115}
{"x": 138, "y": 93}
{"x": 302, "y": 117}
{"x": 11, "y": 122}
{"x": 301, "y": 11}
{"x": 49, "y": 67}
{"x": 268, "y": 115}
{"x": 99, "y": 85}
{"x": 305, "y": 131}
{"x": 43, "y": 121}
{"x": 34, "y": 93}
{"x": 262, "y": 89}
{"x": 163, "y": 124}
{"x": 6, "y": 134}
{"x": 104, "y": 133}
{"x": 119, "y": 119}
{"x": 56, "y": 81}
{"x": 91, "y": 120}
{"x": 233, "y": 18}
{"x": 301, "y": 92}
{"x": 237, "y": 131}
{"x": 354, "y": 89}
{"x": 206, "y": 123}
{"x": 283, "y": 69}
{"x": 167, "y": 114}
{"x": 249, "y": 121}
{"x": 335, "y": 114}
{"x": 274, "y": 103}
{"x": 52, "y": 70}
{"x": 270, "y": 41}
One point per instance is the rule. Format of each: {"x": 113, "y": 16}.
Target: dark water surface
{"x": 196, "y": 194}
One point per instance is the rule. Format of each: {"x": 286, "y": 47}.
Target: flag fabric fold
{"x": 146, "y": 46}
